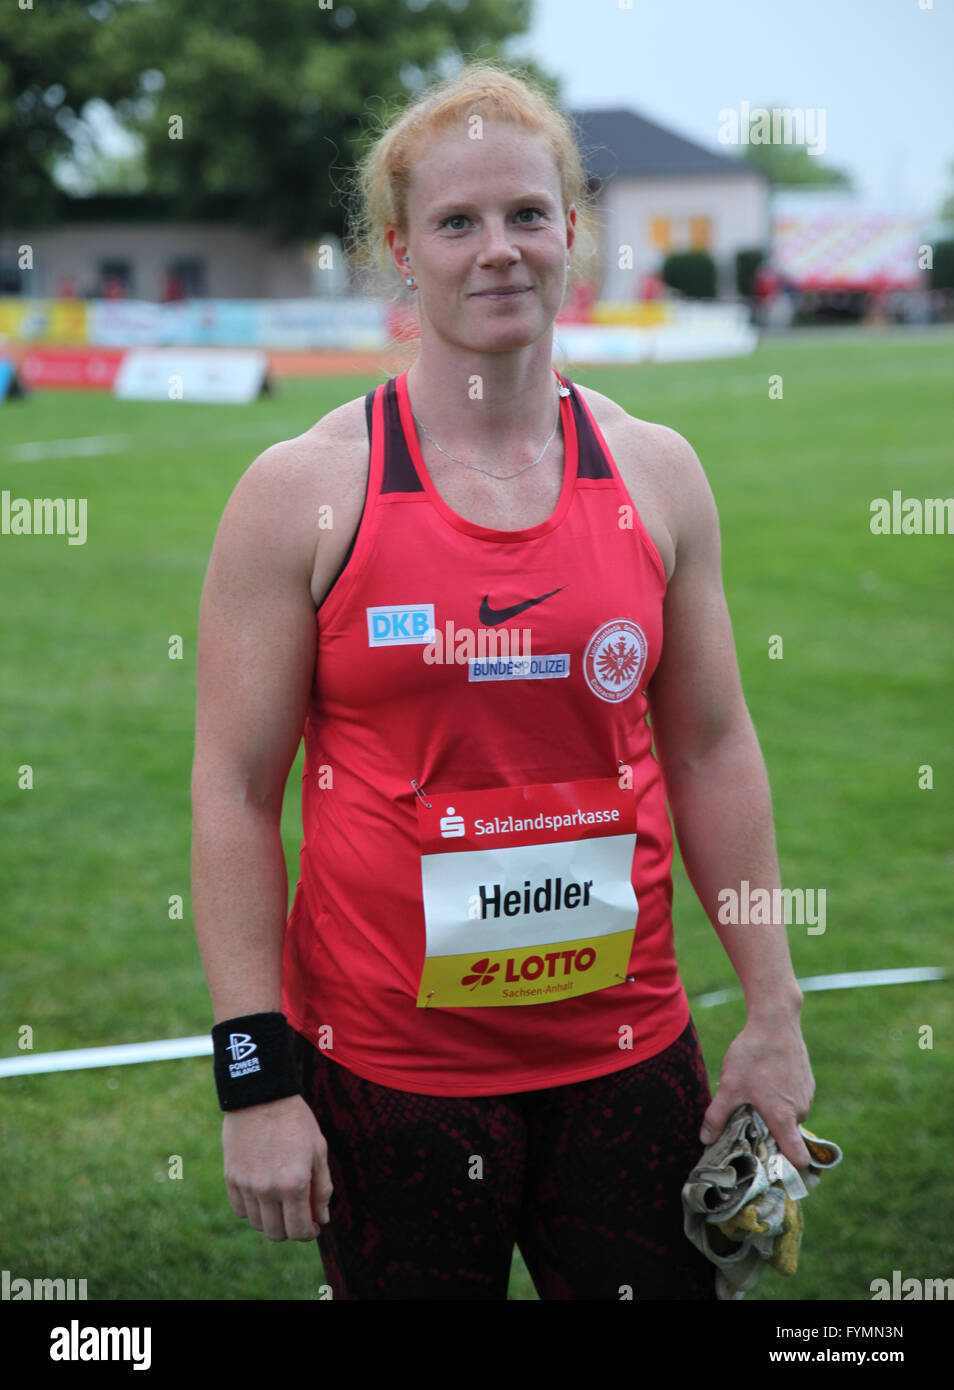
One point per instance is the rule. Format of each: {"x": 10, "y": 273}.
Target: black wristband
{"x": 253, "y": 1060}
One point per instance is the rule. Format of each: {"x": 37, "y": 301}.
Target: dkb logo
{"x": 400, "y": 625}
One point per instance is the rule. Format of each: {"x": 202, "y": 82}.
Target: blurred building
{"x": 130, "y": 245}
{"x": 660, "y": 193}
{"x": 657, "y": 192}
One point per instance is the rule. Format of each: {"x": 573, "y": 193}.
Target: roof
{"x": 617, "y": 143}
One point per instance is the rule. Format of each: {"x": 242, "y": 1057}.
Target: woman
{"x": 490, "y": 1040}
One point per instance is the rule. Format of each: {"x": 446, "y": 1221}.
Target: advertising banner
{"x": 176, "y": 374}
{"x": 73, "y": 369}
{"x": 44, "y": 320}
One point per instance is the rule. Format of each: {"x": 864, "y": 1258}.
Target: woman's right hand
{"x": 276, "y": 1168}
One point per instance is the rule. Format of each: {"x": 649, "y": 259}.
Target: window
{"x": 660, "y": 233}
{"x": 188, "y": 275}
{"x": 115, "y": 279}
{"x": 11, "y": 278}
{"x": 700, "y": 233}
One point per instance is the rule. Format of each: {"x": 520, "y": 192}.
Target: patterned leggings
{"x": 432, "y": 1192}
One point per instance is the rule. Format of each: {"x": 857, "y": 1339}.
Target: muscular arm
{"x": 257, "y": 639}
{"x": 256, "y": 659}
{"x": 722, "y": 811}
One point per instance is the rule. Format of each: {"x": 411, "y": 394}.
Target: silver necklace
{"x": 501, "y": 477}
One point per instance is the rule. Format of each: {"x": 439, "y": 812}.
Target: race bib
{"x": 527, "y": 892}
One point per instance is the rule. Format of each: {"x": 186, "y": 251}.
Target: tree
{"x": 788, "y": 165}
{"x": 792, "y": 165}
{"x": 92, "y": 167}
{"x": 947, "y": 207}
{"x": 45, "y": 80}
{"x": 267, "y": 100}
{"x": 693, "y": 273}
{"x": 747, "y": 263}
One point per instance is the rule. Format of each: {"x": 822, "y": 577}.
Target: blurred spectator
{"x": 173, "y": 288}
{"x": 767, "y": 285}
{"x": 879, "y": 307}
{"x": 652, "y": 287}
{"x": 579, "y": 302}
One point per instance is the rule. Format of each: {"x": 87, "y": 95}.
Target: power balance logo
{"x": 242, "y": 1049}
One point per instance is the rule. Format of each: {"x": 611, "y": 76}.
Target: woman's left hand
{"x": 767, "y": 1067}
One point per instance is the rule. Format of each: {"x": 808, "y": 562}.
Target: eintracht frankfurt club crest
{"x": 614, "y": 659}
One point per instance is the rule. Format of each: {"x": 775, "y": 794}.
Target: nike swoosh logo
{"x": 490, "y": 617}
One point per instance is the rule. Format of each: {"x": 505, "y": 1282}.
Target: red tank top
{"x": 371, "y": 949}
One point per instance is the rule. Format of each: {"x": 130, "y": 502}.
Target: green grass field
{"x": 90, "y": 856}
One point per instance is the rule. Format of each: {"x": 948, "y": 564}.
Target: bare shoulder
{"x": 659, "y": 466}
{"x": 323, "y": 455}
{"x": 302, "y": 497}
{"x": 658, "y": 448}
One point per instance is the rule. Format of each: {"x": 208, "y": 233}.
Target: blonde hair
{"x": 381, "y": 179}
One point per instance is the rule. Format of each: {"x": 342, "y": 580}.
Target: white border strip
{"x": 167, "y": 1049}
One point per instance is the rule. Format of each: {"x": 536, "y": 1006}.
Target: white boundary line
{"x": 855, "y": 979}
{"x": 83, "y": 1057}
{"x": 167, "y": 1049}
{"x": 92, "y": 445}
{"x": 86, "y": 445}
